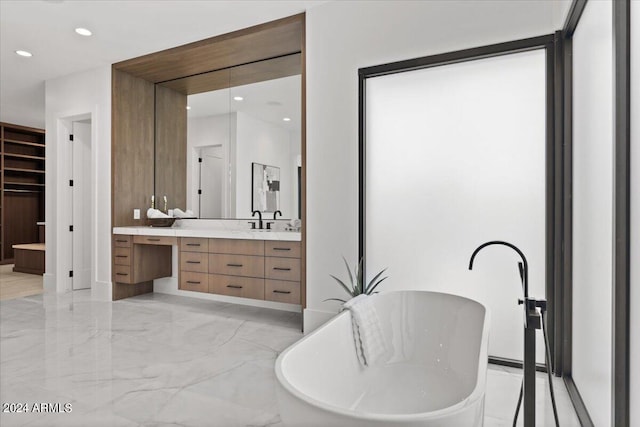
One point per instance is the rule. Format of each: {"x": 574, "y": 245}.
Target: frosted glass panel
{"x": 456, "y": 157}
{"x": 592, "y": 208}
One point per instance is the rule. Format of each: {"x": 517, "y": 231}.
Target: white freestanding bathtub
{"x": 435, "y": 377}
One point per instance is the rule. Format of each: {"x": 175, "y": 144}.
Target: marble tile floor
{"x": 161, "y": 360}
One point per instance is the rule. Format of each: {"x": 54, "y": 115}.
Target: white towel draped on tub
{"x": 371, "y": 346}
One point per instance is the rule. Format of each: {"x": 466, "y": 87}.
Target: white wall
{"x": 342, "y": 37}
{"x": 635, "y": 213}
{"x": 78, "y": 96}
{"x": 593, "y": 208}
{"x": 456, "y": 158}
{"x": 261, "y": 142}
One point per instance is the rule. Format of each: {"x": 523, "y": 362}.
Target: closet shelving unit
{"x": 22, "y": 170}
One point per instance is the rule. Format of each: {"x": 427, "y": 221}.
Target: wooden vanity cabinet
{"x": 257, "y": 269}
{"x": 282, "y": 271}
{"x": 138, "y": 260}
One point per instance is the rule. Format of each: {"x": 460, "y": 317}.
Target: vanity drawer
{"x": 194, "y": 244}
{"x": 155, "y": 240}
{"x": 235, "y": 286}
{"x": 282, "y": 291}
{"x": 236, "y": 246}
{"x": 196, "y": 282}
{"x": 122, "y": 241}
{"x": 236, "y": 265}
{"x": 279, "y": 248}
{"x": 123, "y": 274}
{"x": 282, "y": 268}
{"x": 122, "y": 256}
{"x": 194, "y": 261}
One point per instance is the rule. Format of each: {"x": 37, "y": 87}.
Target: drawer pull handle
{"x": 153, "y": 240}
{"x": 281, "y": 269}
{"x": 193, "y": 282}
{"x": 234, "y": 286}
{"x": 193, "y": 244}
{"x": 281, "y": 249}
{"x": 122, "y": 274}
{"x": 121, "y": 240}
{"x": 193, "y": 262}
{"x": 234, "y": 265}
{"x": 281, "y": 292}
{"x": 122, "y": 256}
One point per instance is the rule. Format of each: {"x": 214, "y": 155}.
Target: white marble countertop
{"x": 210, "y": 233}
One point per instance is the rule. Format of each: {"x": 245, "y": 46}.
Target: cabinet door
{"x": 236, "y": 286}
{"x": 282, "y": 249}
{"x": 194, "y": 261}
{"x": 282, "y": 291}
{"x": 122, "y": 256}
{"x": 282, "y": 268}
{"x": 123, "y": 274}
{"x": 236, "y": 265}
{"x": 197, "y": 282}
{"x": 194, "y": 244}
{"x": 236, "y": 246}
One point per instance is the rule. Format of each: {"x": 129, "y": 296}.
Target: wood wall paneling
{"x": 132, "y": 147}
{"x": 132, "y": 164}
{"x": 269, "y": 40}
{"x": 171, "y": 148}
{"x": 254, "y": 72}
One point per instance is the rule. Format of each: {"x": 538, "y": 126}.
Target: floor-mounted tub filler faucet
{"x": 533, "y": 319}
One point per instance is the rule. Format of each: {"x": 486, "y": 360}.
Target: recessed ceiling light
{"x": 238, "y": 98}
{"x": 188, "y": 107}
{"x": 83, "y": 32}
{"x": 286, "y": 119}
{"x": 24, "y": 53}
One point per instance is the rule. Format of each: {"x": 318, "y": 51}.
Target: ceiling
{"x": 121, "y": 30}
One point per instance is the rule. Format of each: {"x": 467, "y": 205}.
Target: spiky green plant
{"x": 357, "y": 285}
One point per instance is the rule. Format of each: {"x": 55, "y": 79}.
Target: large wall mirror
{"x": 241, "y": 127}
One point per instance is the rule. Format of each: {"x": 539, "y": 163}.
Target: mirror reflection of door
{"x": 211, "y": 179}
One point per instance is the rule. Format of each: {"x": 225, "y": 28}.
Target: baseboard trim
{"x": 49, "y": 282}
{"x": 578, "y": 403}
{"x": 101, "y": 291}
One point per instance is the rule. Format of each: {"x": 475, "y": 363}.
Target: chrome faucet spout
{"x": 523, "y": 266}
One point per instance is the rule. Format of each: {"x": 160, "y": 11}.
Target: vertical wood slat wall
{"x": 171, "y": 148}
{"x": 132, "y": 164}
{"x": 22, "y": 168}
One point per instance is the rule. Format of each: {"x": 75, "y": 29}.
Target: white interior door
{"x": 211, "y": 179}
{"x": 81, "y": 204}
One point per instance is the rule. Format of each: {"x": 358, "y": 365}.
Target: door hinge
{"x": 199, "y": 159}
{"x": 70, "y": 137}
{"x": 71, "y": 228}
{"x": 70, "y": 183}
{"x": 70, "y": 273}
{"x": 199, "y": 191}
